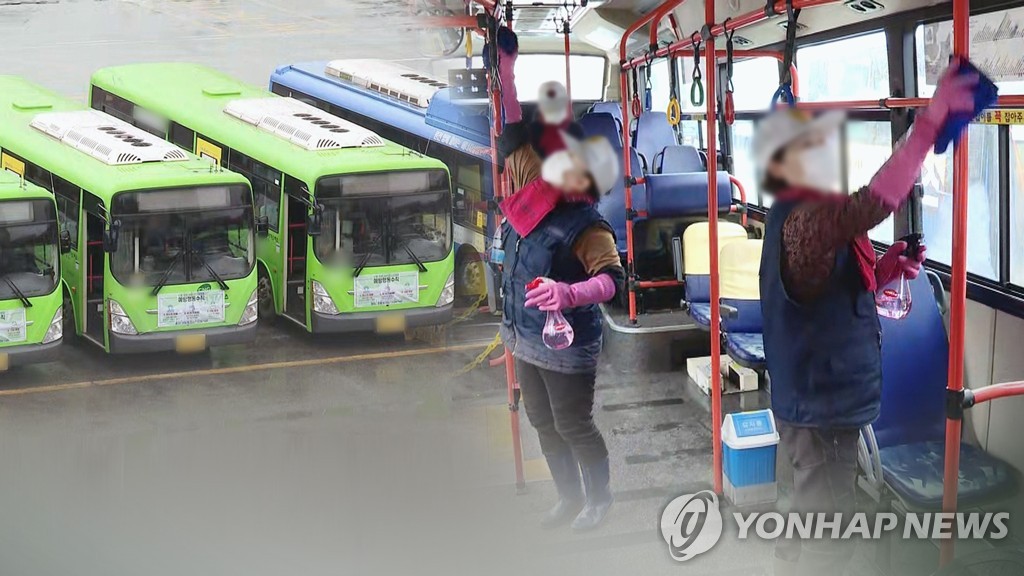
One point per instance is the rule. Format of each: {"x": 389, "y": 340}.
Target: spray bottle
{"x": 558, "y": 333}
{"x": 893, "y": 300}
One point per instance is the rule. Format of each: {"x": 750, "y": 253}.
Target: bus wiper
{"x": 167, "y": 273}
{"x": 366, "y": 257}
{"x": 17, "y": 292}
{"x": 405, "y": 244}
{"x": 220, "y": 281}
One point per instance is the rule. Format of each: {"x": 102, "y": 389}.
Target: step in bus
{"x": 31, "y": 320}
{"x": 160, "y": 243}
{"x": 357, "y": 222}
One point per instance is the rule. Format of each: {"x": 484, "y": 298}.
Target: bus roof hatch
{"x": 302, "y": 124}
{"x": 389, "y": 79}
{"x": 106, "y": 138}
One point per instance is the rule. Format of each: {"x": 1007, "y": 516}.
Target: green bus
{"x": 31, "y": 321}
{"x": 362, "y": 224}
{"x": 160, "y": 244}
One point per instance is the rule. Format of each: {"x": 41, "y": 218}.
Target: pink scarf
{"x": 525, "y": 209}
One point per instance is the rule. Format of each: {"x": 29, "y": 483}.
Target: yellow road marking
{"x": 239, "y": 369}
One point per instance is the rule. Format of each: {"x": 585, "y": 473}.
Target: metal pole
{"x": 568, "y": 67}
{"x": 958, "y": 291}
{"x": 711, "y": 76}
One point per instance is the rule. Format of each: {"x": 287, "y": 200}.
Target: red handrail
{"x": 958, "y": 292}
{"x": 711, "y": 77}
{"x": 743, "y": 197}
{"x": 994, "y": 391}
{"x": 627, "y": 169}
{"x": 660, "y": 13}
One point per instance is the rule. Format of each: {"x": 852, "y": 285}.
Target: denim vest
{"x": 824, "y": 356}
{"x": 548, "y": 251}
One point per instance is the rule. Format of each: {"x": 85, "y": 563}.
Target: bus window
{"x": 182, "y": 136}
{"x": 1017, "y": 205}
{"x": 743, "y": 159}
{"x": 983, "y": 199}
{"x": 266, "y": 186}
{"x": 868, "y": 146}
{"x": 755, "y": 81}
{"x": 864, "y": 73}
{"x": 588, "y": 74}
{"x": 67, "y": 207}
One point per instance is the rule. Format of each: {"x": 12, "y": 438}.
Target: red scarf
{"x": 550, "y": 138}
{"x": 861, "y": 248}
{"x": 525, "y": 209}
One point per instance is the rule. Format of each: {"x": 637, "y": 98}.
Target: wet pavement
{"x": 298, "y": 454}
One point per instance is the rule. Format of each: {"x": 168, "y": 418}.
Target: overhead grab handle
{"x": 697, "y": 88}
{"x": 785, "y": 90}
{"x": 730, "y": 106}
{"x": 674, "y": 112}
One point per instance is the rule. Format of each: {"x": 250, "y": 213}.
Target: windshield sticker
{"x": 12, "y": 326}
{"x": 387, "y": 289}
{"x": 190, "y": 308}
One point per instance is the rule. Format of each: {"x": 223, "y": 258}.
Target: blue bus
{"x": 416, "y": 111}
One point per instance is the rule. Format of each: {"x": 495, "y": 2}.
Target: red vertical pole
{"x": 568, "y": 68}
{"x": 958, "y": 290}
{"x": 711, "y": 77}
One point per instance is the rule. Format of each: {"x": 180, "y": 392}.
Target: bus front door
{"x": 95, "y": 268}
{"x": 295, "y": 263}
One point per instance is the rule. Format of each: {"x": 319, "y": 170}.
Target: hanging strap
{"x": 697, "y": 88}
{"x": 730, "y": 107}
{"x": 786, "y": 86}
{"x": 648, "y": 88}
{"x": 635, "y": 107}
{"x": 674, "y": 112}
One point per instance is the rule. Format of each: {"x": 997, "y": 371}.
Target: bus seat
{"x": 653, "y": 134}
{"x": 697, "y": 265}
{"x": 677, "y": 159}
{"x": 613, "y": 205}
{"x": 613, "y": 108}
{"x": 739, "y": 263}
{"x": 686, "y": 194}
{"x": 910, "y": 430}
{"x": 602, "y": 124}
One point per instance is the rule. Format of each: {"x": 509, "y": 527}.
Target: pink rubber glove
{"x": 893, "y": 262}
{"x": 894, "y": 180}
{"x": 509, "y": 95}
{"x": 550, "y": 296}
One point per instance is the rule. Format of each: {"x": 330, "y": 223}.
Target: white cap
{"x": 553, "y": 102}
{"x": 784, "y": 125}
{"x": 603, "y": 162}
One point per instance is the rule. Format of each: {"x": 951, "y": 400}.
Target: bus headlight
{"x": 56, "y": 330}
{"x": 252, "y": 310}
{"x": 120, "y": 323}
{"x": 448, "y": 294}
{"x": 322, "y": 301}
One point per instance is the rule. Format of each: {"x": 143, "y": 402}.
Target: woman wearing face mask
{"x": 553, "y": 230}
{"x": 818, "y": 277}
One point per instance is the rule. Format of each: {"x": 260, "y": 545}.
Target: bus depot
{"x": 494, "y": 287}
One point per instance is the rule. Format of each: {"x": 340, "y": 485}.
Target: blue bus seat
{"x": 739, "y": 264}
{"x": 653, "y": 134}
{"x": 697, "y": 266}
{"x": 686, "y": 194}
{"x": 613, "y": 205}
{"x": 677, "y": 159}
{"x": 613, "y": 108}
{"x": 602, "y": 124}
{"x": 910, "y": 430}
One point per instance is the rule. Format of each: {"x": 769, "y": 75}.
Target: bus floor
{"x": 307, "y": 455}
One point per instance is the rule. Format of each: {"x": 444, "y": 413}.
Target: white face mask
{"x": 820, "y": 168}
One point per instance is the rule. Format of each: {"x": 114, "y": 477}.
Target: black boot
{"x": 599, "y": 496}
{"x": 566, "y": 474}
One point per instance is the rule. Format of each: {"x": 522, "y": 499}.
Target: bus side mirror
{"x": 65, "y": 242}
{"x": 111, "y": 236}
{"x": 314, "y": 221}
{"x": 262, "y": 226}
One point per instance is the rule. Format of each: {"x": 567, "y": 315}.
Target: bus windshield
{"x": 183, "y": 235}
{"x": 28, "y": 248}
{"x": 385, "y": 218}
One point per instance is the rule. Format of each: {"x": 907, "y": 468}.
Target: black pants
{"x": 561, "y": 408}
{"x": 824, "y": 481}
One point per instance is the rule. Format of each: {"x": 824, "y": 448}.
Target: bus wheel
{"x": 265, "y": 292}
{"x": 469, "y": 275}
